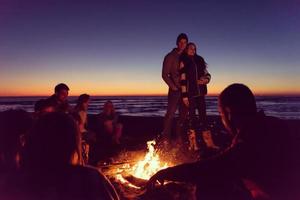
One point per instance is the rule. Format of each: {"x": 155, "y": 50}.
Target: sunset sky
{"x": 117, "y": 47}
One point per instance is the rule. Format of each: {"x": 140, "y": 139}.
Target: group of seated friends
{"x": 46, "y": 156}
{"x": 98, "y": 137}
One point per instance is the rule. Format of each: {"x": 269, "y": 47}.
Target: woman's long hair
{"x": 196, "y": 56}
{"x": 81, "y": 99}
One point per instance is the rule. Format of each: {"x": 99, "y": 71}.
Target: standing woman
{"x": 194, "y": 78}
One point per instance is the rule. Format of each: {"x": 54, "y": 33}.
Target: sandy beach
{"x": 137, "y": 130}
{"x": 149, "y": 127}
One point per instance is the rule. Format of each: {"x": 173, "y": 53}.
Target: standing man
{"x": 170, "y": 74}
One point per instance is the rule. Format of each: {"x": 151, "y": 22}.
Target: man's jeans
{"x": 174, "y": 101}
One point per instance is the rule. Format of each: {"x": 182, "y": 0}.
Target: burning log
{"x": 132, "y": 171}
{"x": 130, "y": 176}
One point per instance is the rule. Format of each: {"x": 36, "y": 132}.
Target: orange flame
{"x": 151, "y": 164}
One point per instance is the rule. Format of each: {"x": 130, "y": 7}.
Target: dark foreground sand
{"x": 138, "y": 130}
{"x": 147, "y": 128}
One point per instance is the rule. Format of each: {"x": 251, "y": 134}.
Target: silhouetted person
{"x": 81, "y": 108}
{"x": 108, "y": 120}
{"x": 170, "y": 74}
{"x": 109, "y": 131}
{"x": 254, "y": 166}
{"x": 43, "y": 106}
{"x": 80, "y": 115}
{"x": 60, "y": 98}
{"x": 14, "y": 126}
{"x": 51, "y": 164}
{"x": 194, "y": 78}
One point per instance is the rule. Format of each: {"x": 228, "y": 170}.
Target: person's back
{"x": 72, "y": 182}
{"x": 14, "y": 125}
{"x": 261, "y": 155}
{"x": 51, "y": 167}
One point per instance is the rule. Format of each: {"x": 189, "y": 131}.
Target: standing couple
{"x": 186, "y": 74}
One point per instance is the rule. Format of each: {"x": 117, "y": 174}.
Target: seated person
{"x": 51, "y": 166}
{"x": 81, "y": 108}
{"x": 80, "y": 115}
{"x": 14, "y": 126}
{"x": 108, "y": 121}
{"x": 59, "y": 99}
{"x": 43, "y": 106}
{"x": 256, "y": 164}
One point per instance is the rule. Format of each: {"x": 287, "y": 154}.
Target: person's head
{"x": 191, "y": 49}
{"x": 83, "y": 102}
{"x": 14, "y": 126}
{"x": 53, "y": 143}
{"x": 61, "y": 91}
{"x": 236, "y": 106}
{"x": 181, "y": 41}
{"x": 108, "y": 108}
{"x": 44, "y": 106}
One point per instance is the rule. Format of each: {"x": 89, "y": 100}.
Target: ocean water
{"x": 285, "y": 107}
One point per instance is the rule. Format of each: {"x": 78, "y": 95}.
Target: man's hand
{"x": 174, "y": 88}
{"x": 186, "y": 101}
{"x": 158, "y": 177}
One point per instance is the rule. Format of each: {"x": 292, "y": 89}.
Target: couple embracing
{"x": 185, "y": 73}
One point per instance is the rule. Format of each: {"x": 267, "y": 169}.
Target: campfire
{"x": 132, "y": 170}
{"x": 141, "y": 168}
{"x": 151, "y": 164}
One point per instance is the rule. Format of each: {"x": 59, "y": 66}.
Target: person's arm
{"x": 219, "y": 167}
{"x": 100, "y": 187}
{"x": 166, "y": 72}
{"x": 205, "y": 79}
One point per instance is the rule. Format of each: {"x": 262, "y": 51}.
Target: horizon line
{"x": 158, "y": 95}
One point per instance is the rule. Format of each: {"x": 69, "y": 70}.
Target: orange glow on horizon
{"x": 127, "y": 91}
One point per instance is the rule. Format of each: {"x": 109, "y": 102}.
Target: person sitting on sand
{"x": 80, "y": 115}
{"x": 254, "y": 166}
{"x": 43, "y": 106}
{"x": 51, "y": 165}
{"x": 14, "y": 126}
{"x": 60, "y": 98}
{"x": 108, "y": 120}
{"x": 81, "y": 109}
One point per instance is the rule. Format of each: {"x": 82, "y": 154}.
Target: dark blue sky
{"x": 117, "y": 47}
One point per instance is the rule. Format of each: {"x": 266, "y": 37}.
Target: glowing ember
{"x": 124, "y": 181}
{"x": 151, "y": 164}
